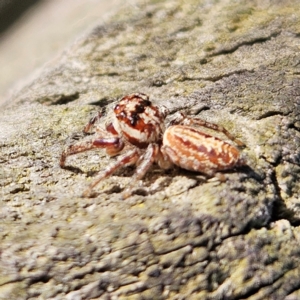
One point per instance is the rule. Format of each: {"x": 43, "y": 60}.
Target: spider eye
{"x": 147, "y": 103}
{"x": 139, "y": 109}
{"x": 133, "y": 119}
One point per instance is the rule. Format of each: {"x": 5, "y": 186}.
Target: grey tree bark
{"x": 236, "y": 64}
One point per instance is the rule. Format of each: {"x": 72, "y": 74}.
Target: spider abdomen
{"x": 191, "y": 149}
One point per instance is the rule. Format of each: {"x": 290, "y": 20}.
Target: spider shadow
{"x": 140, "y": 190}
{"x": 248, "y": 171}
{"x": 155, "y": 173}
{"x": 168, "y": 177}
{"x": 75, "y": 170}
{"x": 115, "y": 189}
{"x": 244, "y": 172}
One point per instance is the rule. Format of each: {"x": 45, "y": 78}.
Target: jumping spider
{"x": 138, "y": 129}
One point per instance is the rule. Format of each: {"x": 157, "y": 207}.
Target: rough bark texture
{"x": 185, "y": 237}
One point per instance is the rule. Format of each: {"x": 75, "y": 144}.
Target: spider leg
{"x": 127, "y": 159}
{"x": 185, "y": 120}
{"x": 109, "y": 127}
{"x": 112, "y": 145}
{"x": 147, "y": 160}
{"x": 92, "y": 122}
{"x": 163, "y": 160}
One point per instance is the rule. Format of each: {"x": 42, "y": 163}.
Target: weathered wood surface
{"x": 238, "y": 63}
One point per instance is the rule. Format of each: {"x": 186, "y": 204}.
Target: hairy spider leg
{"x": 185, "y": 120}
{"x": 146, "y": 161}
{"x": 125, "y": 160}
{"x": 112, "y": 145}
{"x": 92, "y": 122}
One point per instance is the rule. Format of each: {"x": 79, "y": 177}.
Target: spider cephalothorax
{"x": 138, "y": 121}
{"x": 138, "y": 129}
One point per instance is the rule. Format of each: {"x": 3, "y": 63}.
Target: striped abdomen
{"x": 191, "y": 149}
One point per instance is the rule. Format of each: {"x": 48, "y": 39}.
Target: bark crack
{"x": 232, "y": 48}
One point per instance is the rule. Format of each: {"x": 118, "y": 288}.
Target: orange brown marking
{"x": 194, "y": 150}
{"x": 110, "y": 128}
{"x": 138, "y": 120}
